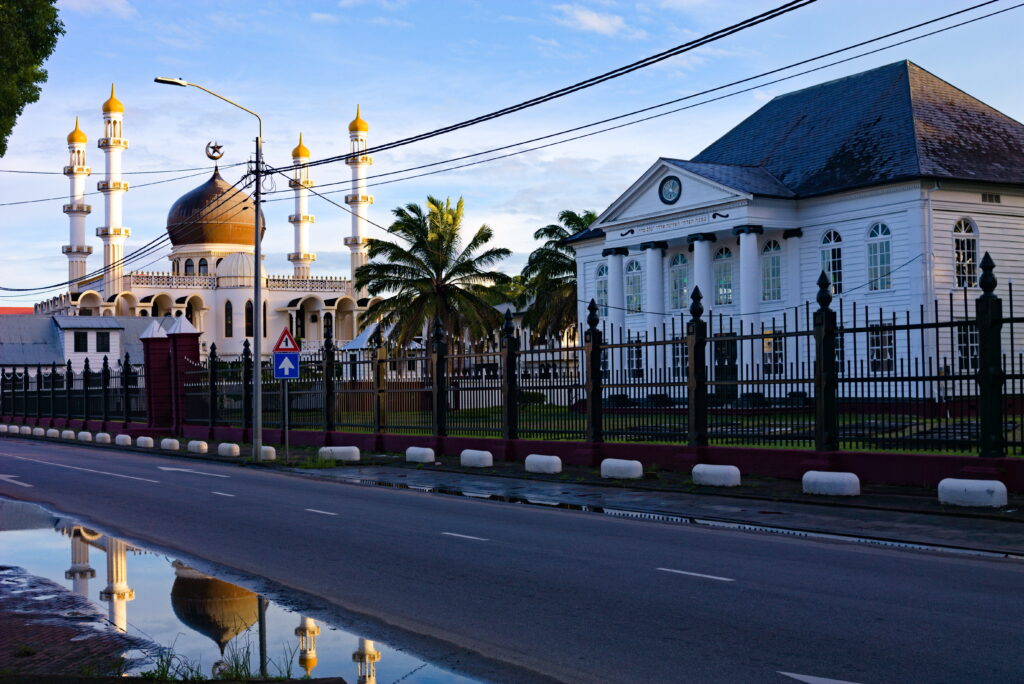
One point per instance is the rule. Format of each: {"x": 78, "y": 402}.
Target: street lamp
{"x": 257, "y": 309}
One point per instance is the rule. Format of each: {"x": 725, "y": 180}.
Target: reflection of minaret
{"x": 307, "y": 631}
{"x": 80, "y": 572}
{"x": 117, "y": 592}
{"x": 366, "y": 658}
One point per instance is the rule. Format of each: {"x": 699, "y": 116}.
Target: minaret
{"x": 113, "y": 233}
{"x": 366, "y": 658}
{"x": 80, "y": 571}
{"x": 117, "y": 592}
{"x": 307, "y": 631}
{"x": 359, "y": 200}
{"x": 76, "y": 250}
{"x": 301, "y": 258}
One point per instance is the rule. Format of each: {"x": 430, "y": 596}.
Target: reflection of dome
{"x": 237, "y": 265}
{"x": 307, "y": 661}
{"x": 212, "y": 607}
{"x": 215, "y": 212}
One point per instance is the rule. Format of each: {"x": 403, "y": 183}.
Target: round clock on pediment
{"x": 670, "y": 189}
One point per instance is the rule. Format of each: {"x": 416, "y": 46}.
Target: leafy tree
{"x": 29, "y": 30}
{"x": 551, "y": 276}
{"x": 431, "y": 270}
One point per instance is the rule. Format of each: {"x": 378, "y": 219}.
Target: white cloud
{"x": 121, "y": 8}
{"x": 387, "y": 21}
{"x": 389, "y": 5}
{"x": 583, "y": 18}
{"x": 546, "y": 42}
{"x": 323, "y": 18}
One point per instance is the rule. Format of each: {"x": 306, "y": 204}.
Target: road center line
{"x": 464, "y": 536}
{"x": 221, "y": 494}
{"x": 86, "y": 470}
{"x": 313, "y": 510}
{"x": 811, "y": 679}
{"x": 696, "y": 574}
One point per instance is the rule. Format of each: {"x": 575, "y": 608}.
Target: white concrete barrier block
{"x": 831, "y": 484}
{"x": 228, "y": 449}
{"x": 53, "y": 433}
{"x": 38, "y": 432}
{"x": 268, "y": 453}
{"x": 622, "y": 469}
{"x": 473, "y": 458}
{"x": 346, "y": 454}
{"x": 67, "y": 434}
{"x": 957, "y": 492}
{"x": 419, "y": 455}
{"x": 84, "y": 436}
{"x": 715, "y": 475}
{"x": 144, "y": 442}
{"x": 103, "y": 438}
{"x": 123, "y": 440}
{"x": 170, "y": 444}
{"x": 25, "y": 430}
{"x": 197, "y": 446}
{"x": 539, "y": 463}
{"x": 3, "y": 429}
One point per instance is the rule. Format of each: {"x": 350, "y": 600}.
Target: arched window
{"x": 965, "y": 249}
{"x": 601, "y": 290}
{"x": 190, "y": 313}
{"x": 879, "y": 257}
{"x": 190, "y": 268}
{"x": 328, "y": 325}
{"x": 679, "y": 278}
{"x": 832, "y": 259}
{"x": 634, "y": 286}
{"x": 771, "y": 271}
{"x": 723, "y": 276}
{"x": 229, "y": 322}
{"x": 203, "y": 267}
{"x": 248, "y": 318}
{"x": 217, "y": 264}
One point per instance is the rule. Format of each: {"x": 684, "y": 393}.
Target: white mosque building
{"x": 211, "y": 272}
{"x": 892, "y": 181}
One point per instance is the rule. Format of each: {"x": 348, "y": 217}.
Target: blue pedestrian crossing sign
{"x": 286, "y": 357}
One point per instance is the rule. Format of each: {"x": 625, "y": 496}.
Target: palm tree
{"x": 430, "y": 271}
{"x": 551, "y": 274}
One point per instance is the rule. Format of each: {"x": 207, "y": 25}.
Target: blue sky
{"x": 415, "y": 65}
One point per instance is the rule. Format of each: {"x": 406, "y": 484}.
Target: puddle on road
{"x": 204, "y": 620}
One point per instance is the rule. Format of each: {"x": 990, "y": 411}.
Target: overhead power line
{"x": 124, "y": 173}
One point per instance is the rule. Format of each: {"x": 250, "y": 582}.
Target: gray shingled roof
{"x": 896, "y": 122}
{"x": 88, "y": 322}
{"x": 31, "y": 339}
{"x": 753, "y": 179}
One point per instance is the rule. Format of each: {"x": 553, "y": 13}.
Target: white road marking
{"x": 194, "y": 472}
{"x": 464, "y": 536}
{"x": 313, "y": 510}
{"x": 696, "y": 574}
{"x": 86, "y": 470}
{"x": 10, "y": 479}
{"x": 221, "y": 494}
{"x": 809, "y": 679}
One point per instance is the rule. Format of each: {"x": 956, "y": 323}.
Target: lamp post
{"x": 257, "y": 309}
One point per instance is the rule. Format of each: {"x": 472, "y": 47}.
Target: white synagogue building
{"x": 892, "y": 181}
{"x": 209, "y": 279}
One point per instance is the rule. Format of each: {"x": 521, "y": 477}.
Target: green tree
{"x": 28, "y": 34}
{"x": 551, "y": 276}
{"x": 431, "y": 270}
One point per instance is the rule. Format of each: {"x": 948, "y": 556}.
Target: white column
{"x": 654, "y": 280}
{"x": 76, "y": 250}
{"x": 750, "y": 273}
{"x": 702, "y": 271}
{"x": 117, "y": 592}
{"x": 80, "y": 571}
{"x": 616, "y": 288}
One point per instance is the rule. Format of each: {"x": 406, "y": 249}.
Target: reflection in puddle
{"x": 211, "y": 624}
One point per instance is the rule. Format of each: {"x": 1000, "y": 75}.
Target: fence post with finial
{"x": 990, "y": 377}
{"x": 86, "y": 381}
{"x": 696, "y": 373}
{"x": 105, "y": 390}
{"x": 69, "y": 386}
{"x": 53, "y": 391}
{"x": 379, "y": 356}
{"x": 246, "y": 387}
{"x": 126, "y": 389}
{"x": 826, "y": 381}
{"x": 439, "y": 386}
{"x": 509, "y": 379}
{"x": 211, "y": 376}
{"x": 328, "y": 376}
{"x": 594, "y": 385}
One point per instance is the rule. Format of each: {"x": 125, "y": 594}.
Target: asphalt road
{"x": 530, "y": 594}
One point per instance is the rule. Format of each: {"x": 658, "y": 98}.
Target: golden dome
{"x": 77, "y": 135}
{"x": 215, "y": 212}
{"x": 307, "y": 661}
{"x": 214, "y": 608}
{"x": 113, "y": 104}
{"x": 358, "y": 125}
{"x": 300, "y": 149}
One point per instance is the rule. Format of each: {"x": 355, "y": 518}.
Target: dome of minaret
{"x": 213, "y": 213}
{"x": 112, "y": 104}
{"x": 358, "y": 125}
{"x": 77, "y": 135}
{"x": 300, "y": 150}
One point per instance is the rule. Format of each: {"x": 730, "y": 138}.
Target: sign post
{"x": 286, "y": 367}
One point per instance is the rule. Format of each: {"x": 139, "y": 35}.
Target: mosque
{"x": 211, "y": 272}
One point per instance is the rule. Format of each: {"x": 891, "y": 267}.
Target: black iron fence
{"x": 111, "y": 393}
